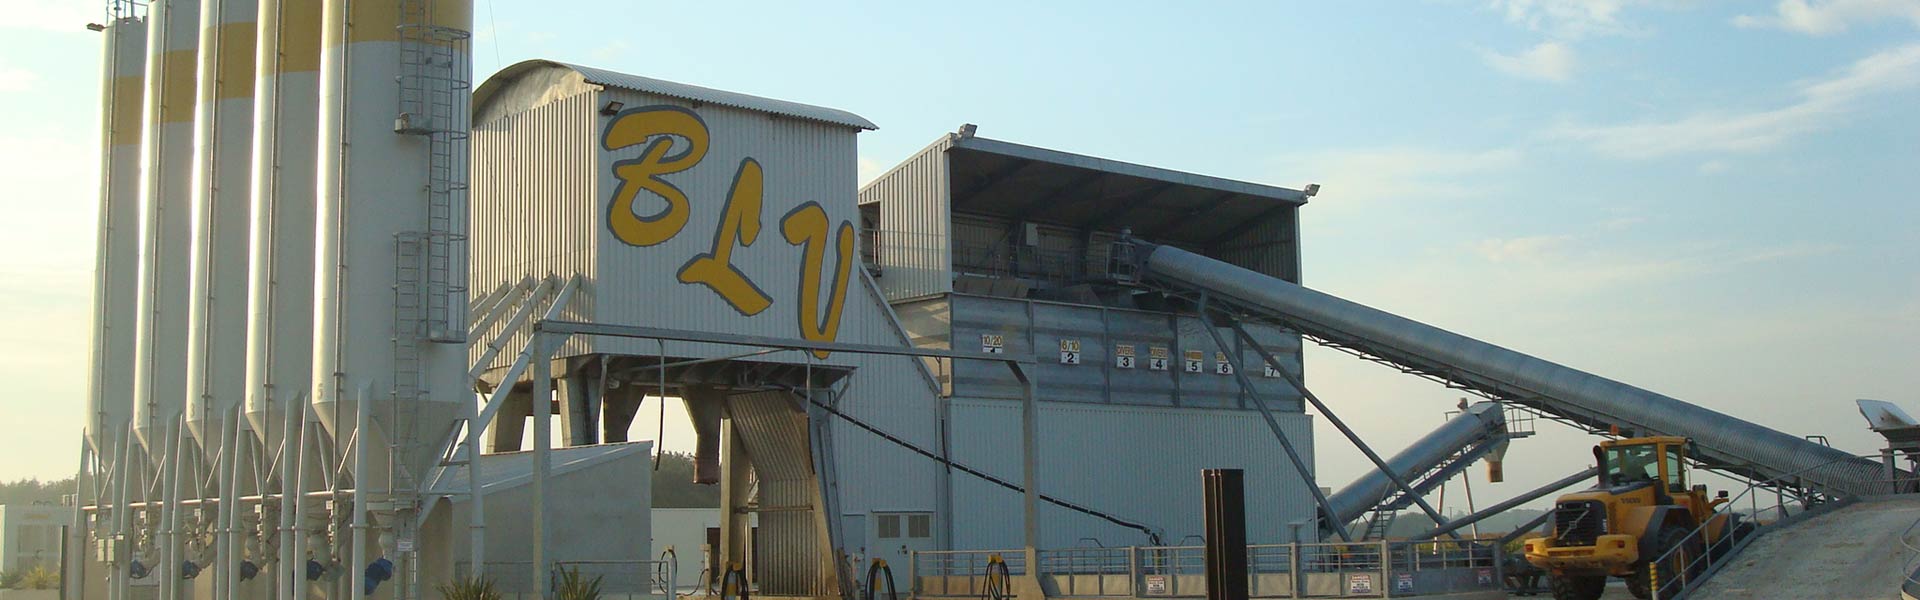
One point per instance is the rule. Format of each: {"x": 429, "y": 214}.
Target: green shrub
{"x": 11, "y": 580}
{"x": 573, "y": 586}
{"x": 469, "y": 589}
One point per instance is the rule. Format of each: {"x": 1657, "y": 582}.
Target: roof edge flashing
{"x": 648, "y": 85}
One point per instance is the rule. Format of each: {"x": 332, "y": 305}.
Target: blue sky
{"x": 1714, "y": 200}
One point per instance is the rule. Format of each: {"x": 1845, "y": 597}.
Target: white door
{"x": 894, "y": 535}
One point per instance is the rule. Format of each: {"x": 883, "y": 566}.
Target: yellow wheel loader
{"x": 1642, "y": 510}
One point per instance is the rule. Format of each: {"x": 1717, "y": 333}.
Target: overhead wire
{"x": 1151, "y": 534}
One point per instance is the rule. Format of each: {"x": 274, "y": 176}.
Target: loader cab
{"x": 1657, "y": 462}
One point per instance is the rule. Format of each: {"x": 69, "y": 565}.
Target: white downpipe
{"x": 477, "y": 496}
{"x": 172, "y": 553}
{"x": 359, "y": 549}
{"x": 117, "y": 581}
{"x": 542, "y": 398}
{"x": 230, "y": 566}
{"x": 292, "y": 441}
{"x": 297, "y": 583}
{"x": 77, "y": 533}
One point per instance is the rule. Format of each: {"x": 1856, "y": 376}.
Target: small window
{"x": 920, "y": 526}
{"x": 889, "y": 526}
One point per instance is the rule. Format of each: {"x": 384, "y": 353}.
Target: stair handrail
{"x": 1699, "y": 532}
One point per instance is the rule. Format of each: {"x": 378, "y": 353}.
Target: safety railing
{"x": 1409, "y": 557}
{"x": 965, "y": 573}
{"x": 1687, "y": 562}
{"x": 1910, "y": 539}
{"x": 1274, "y": 570}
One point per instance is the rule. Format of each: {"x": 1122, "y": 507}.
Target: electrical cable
{"x": 1155, "y": 537}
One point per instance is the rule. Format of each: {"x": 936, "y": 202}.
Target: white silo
{"x": 116, "y": 277}
{"x": 390, "y": 269}
{"x": 166, "y": 227}
{"x": 280, "y": 299}
{"x": 216, "y": 321}
{"x": 165, "y": 240}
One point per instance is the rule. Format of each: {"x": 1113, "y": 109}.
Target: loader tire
{"x": 1577, "y": 587}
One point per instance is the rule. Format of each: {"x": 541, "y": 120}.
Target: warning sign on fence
{"x": 1360, "y": 583}
{"x": 1156, "y": 585}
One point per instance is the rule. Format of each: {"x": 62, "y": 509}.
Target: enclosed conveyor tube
{"x": 1479, "y": 423}
{"x": 1724, "y": 442}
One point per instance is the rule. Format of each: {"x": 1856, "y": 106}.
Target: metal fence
{"x": 1365, "y": 569}
{"x": 619, "y": 580}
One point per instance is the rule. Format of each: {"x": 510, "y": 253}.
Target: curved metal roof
{"x": 649, "y": 85}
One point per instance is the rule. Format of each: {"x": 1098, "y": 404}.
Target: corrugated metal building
{"x": 985, "y": 245}
{"x": 693, "y": 209}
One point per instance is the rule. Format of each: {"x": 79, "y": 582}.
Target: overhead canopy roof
{"x": 1024, "y": 183}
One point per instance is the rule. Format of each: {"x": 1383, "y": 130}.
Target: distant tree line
{"x": 33, "y": 491}
{"x": 673, "y": 485}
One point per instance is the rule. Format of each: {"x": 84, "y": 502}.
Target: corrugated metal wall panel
{"x": 1140, "y": 464}
{"x": 788, "y": 543}
{"x": 534, "y": 206}
{"x": 1272, "y": 248}
{"x": 1038, "y": 327}
{"x": 915, "y": 255}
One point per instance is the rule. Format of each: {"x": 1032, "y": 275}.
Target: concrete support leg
{"x": 704, "y": 409}
{"x": 735, "y": 486}
{"x": 617, "y": 409}
{"x": 511, "y": 423}
{"x": 579, "y": 392}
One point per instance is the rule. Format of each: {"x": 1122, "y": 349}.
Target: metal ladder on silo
{"x": 430, "y": 264}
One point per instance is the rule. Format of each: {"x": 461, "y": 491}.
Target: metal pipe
{"x": 542, "y": 399}
{"x": 513, "y": 325}
{"x": 1479, "y": 422}
{"x": 288, "y": 574}
{"x": 1524, "y": 528}
{"x": 173, "y": 555}
{"x": 77, "y": 533}
{"x": 297, "y": 587}
{"x": 360, "y": 475}
{"x": 1724, "y": 442}
{"x": 1379, "y": 463}
{"x": 493, "y": 308}
{"x": 229, "y": 565}
{"x": 1333, "y": 520}
{"x": 477, "y": 498}
{"x": 1523, "y": 498}
{"x": 117, "y": 581}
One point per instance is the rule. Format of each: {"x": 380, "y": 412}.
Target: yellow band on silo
{"x": 370, "y": 21}
{"x": 235, "y": 67}
{"x": 177, "y": 70}
{"x": 124, "y": 122}
{"x": 299, "y": 36}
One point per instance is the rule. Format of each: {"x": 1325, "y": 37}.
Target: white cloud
{"x": 1399, "y": 172}
{"x": 1533, "y": 248}
{"x": 1572, "y": 19}
{"x": 1714, "y": 167}
{"x": 1547, "y": 61}
{"x": 610, "y": 51}
{"x": 1830, "y": 16}
{"x": 1820, "y": 101}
